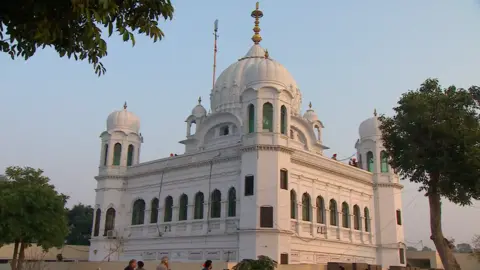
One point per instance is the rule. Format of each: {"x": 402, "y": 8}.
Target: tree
{"x": 476, "y": 247}
{"x": 410, "y": 248}
{"x": 434, "y": 140}
{"x": 262, "y": 263}
{"x": 73, "y": 28}
{"x": 426, "y": 248}
{"x": 31, "y": 211}
{"x": 80, "y": 219}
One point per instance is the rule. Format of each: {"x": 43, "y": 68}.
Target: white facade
{"x": 252, "y": 181}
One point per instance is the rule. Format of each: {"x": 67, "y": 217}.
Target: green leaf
{"x": 126, "y": 36}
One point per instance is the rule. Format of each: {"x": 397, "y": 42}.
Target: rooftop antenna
{"x": 215, "y": 31}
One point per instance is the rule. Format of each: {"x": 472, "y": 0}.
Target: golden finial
{"x": 257, "y": 14}
{"x": 199, "y": 100}
{"x": 310, "y": 105}
{"x": 125, "y": 105}
{"x": 266, "y": 54}
{"x": 375, "y": 112}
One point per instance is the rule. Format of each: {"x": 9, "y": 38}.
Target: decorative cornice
{"x": 389, "y": 185}
{"x": 266, "y": 147}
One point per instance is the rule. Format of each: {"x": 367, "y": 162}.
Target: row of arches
{"x": 267, "y": 118}
{"x": 215, "y": 207}
{"x": 117, "y": 154}
{"x": 359, "y": 221}
{"x": 109, "y": 221}
{"x": 370, "y": 166}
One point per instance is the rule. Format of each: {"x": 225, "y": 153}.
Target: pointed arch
{"x": 130, "y": 155}
{"x": 117, "y": 154}
{"x": 138, "y": 213}
{"x": 96, "y": 227}
{"x": 333, "y": 213}
{"x": 105, "y": 154}
{"x": 293, "y": 204}
{"x": 383, "y": 162}
{"x": 251, "y": 118}
{"x": 216, "y": 206}
{"x": 154, "y": 210}
{"x": 366, "y": 215}
{"x": 168, "y": 212}
{"x": 320, "y": 210}
{"x": 370, "y": 161}
{"x": 232, "y": 202}
{"x": 109, "y": 220}
{"x": 283, "y": 120}
{"x": 268, "y": 116}
{"x": 345, "y": 215}
{"x": 356, "y": 217}
{"x": 306, "y": 207}
{"x": 199, "y": 201}
{"x": 183, "y": 210}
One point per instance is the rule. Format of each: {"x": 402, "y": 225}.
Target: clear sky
{"x": 348, "y": 58}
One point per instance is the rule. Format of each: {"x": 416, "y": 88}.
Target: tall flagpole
{"x": 215, "y": 31}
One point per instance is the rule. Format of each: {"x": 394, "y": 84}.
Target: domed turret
{"x": 310, "y": 114}
{"x": 123, "y": 120}
{"x": 199, "y": 111}
{"x": 370, "y": 127}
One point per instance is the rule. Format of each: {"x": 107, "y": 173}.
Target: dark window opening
{"x": 224, "y": 131}
{"x": 284, "y": 179}
{"x": 399, "y": 217}
{"x": 401, "y": 253}
{"x": 266, "y": 217}
{"x": 249, "y": 185}
{"x": 284, "y": 258}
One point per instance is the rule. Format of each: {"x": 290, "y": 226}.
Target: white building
{"x": 253, "y": 181}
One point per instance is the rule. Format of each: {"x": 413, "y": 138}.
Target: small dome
{"x": 199, "y": 110}
{"x": 123, "y": 120}
{"x": 310, "y": 114}
{"x": 370, "y": 127}
{"x": 255, "y": 66}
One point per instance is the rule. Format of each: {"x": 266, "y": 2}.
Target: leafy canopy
{"x": 31, "y": 211}
{"x": 72, "y": 27}
{"x": 80, "y": 219}
{"x": 436, "y": 131}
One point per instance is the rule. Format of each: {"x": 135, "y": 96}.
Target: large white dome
{"x": 369, "y": 128}
{"x": 123, "y": 120}
{"x": 253, "y": 68}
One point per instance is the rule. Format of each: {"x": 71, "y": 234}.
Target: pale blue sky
{"x": 348, "y": 58}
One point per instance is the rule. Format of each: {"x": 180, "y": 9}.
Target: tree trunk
{"x": 443, "y": 248}
{"x": 13, "y": 263}
{"x": 21, "y": 256}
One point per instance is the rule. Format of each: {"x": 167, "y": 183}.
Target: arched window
{"x": 356, "y": 217}
{"x": 193, "y": 127}
{"x": 333, "y": 213}
{"x": 283, "y": 120}
{"x": 370, "y": 162}
{"x": 268, "y": 116}
{"x": 138, "y": 213}
{"x": 345, "y": 215}
{"x": 316, "y": 130}
{"x": 105, "y": 155}
{"x": 360, "y": 161}
{"x": 183, "y": 210}
{"x": 232, "y": 202}
{"x": 154, "y": 210}
{"x": 383, "y": 162}
{"x": 199, "y": 200}
{"x": 98, "y": 216}
{"x": 130, "y": 155}
{"x": 216, "y": 207}
{"x": 367, "y": 219}
{"x": 293, "y": 204}
{"x": 251, "y": 118}
{"x": 284, "y": 179}
{"x": 167, "y": 216}
{"x": 109, "y": 220}
{"x": 306, "y": 207}
{"x": 320, "y": 210}
{"x": 117, "y": 154}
